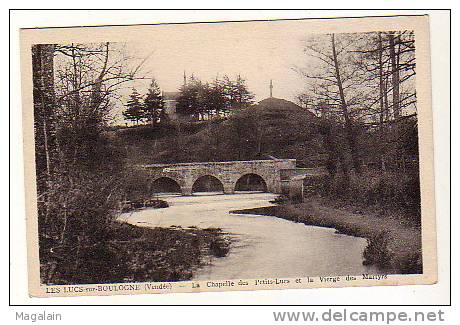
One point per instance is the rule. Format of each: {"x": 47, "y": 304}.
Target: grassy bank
{"x": 394, "y": 243}
{"x": 273, "y": 127}
{"x": 138, "y": 254}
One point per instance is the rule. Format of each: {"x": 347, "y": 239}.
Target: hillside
{"x": 273, "y": 127}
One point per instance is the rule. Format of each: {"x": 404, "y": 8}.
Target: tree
{"x": 44, "y": 120}
{"x": 202, "y": 100}
{"x": 214, "y": 99}
{"x": 333, "y": 81}
{"x": 188, "y": 102}
{"x": 134, "y": 108}
{"x": 362, "y": 86}
{"x": 236, "y": 93}
{"x": 153, "y": 103}
{"x": 388, "y": 60}
{"x": 75, "y": 86}
{"x": 395, "y": 75}
{"x": 45, "y": 106}
{"x": 88, "y": 80}
{"x": 351, "y": 136}
{"x": 243, "y": 97}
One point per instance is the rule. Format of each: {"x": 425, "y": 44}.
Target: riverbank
{"x": 135, "y": 205}
{"x": 139, "y": 254}
{"x": 394, "y": 243}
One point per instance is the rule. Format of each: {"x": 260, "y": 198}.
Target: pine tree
{"x": 134, "y": 110}
{"x": 243, "y": 96}
{"x": 153, "y": 103}
{"x": 190, "y": 99}
{"x": 237, "y": 93}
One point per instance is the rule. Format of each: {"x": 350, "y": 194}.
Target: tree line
{"x": 200, "y": 100}
{"x": 150, "y": 108}
{"x": 197, "y": 100}
{"x": 362, "y": 86}
{"x": 361, "y": 81}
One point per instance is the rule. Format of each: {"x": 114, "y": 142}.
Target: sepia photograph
{"x": 228, "y": 156}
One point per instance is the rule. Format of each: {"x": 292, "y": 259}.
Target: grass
{"x": 394, "y": 243}
{"x": 273, "y": 127}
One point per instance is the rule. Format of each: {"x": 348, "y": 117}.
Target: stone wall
{"x": 274, "y": 172}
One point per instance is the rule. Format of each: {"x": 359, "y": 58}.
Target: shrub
{"x": 411, "y": 263}
{"x": 219, "y": 247}
{"x": 317, "y": 184}
{"x": 386, "y": 189}
{"x": 140, "y": 204}
{"x": 296, "y": 198}
{"x": 376, "y": 251}
{"x": 339, "y": 186}
{"x": 73, "y": 221}
{"x": 280, "y": 199}
{"x": 136, "y": 185}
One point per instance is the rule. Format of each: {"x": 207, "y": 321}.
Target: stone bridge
{"x": 275, "y": 173}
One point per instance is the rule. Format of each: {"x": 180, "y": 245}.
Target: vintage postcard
{"x": 223, "y": 156}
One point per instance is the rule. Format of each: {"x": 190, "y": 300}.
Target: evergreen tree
{"x": 243, "y": 97}
{"x": 134, "y": 108}
{"x": 153, "y": 103}
{"x": 200, "y": 99}
{"x": 215, "y": 98}
{"x": 236, "y": 93}
{"x": 189, "y": 101}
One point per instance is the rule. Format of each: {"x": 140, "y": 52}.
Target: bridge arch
{"x": 251, "y": 182}
{"x": 207, "y": 183}
{"x": 165, "y": 184}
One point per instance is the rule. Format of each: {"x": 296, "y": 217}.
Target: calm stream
{"x": 262, "y": 246}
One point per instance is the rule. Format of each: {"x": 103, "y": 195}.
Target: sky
{"x": 257, "y": 51}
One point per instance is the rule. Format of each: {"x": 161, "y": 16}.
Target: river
{"x": 263, "y": 246}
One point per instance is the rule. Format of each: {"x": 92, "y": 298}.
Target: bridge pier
{"x": 229, "y": 188}
{"x": 186, "y": 190}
